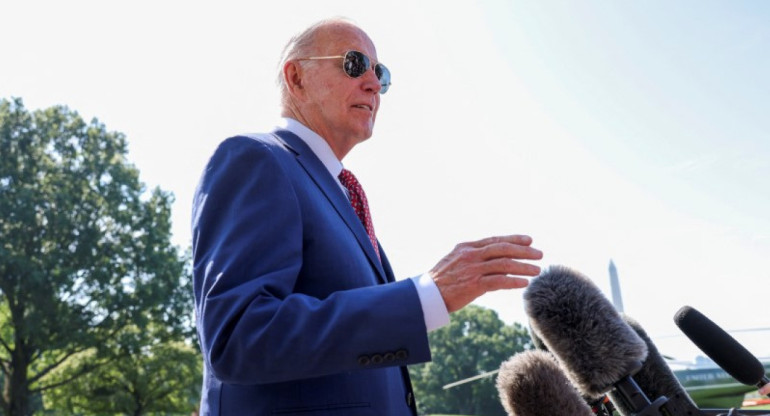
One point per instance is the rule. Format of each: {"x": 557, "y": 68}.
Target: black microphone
{"x": 722, "y": 348}
{"x": 598, "y": 351}
{"x": 656, "y": 379}
{"x": 531, "y": 383}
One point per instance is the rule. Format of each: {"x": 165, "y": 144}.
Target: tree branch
{"x": 4, "y": 368}
{"x": 45, "y": 370}
{"x": 79, "y": 373}
{"x": 6, "y": 346}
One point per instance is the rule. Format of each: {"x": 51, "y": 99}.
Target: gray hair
{"x": 302, "y": 45}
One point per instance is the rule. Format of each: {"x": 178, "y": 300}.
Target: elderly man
{"x": 297, "y": 308}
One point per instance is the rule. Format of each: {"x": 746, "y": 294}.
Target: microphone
{"x": 597, "y": 349}
{"x": 656, "y": 379}
{"x": 600, "y": 406}
{"x": 718, "y": 345}
{"x": 531, "y": 383}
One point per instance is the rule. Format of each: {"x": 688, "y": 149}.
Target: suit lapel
{"x": 321, "y": 177}
{"x": 386, "y": 265}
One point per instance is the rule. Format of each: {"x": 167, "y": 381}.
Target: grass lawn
{"x": 767, "y": 406}
{"x": 763, "y": 407}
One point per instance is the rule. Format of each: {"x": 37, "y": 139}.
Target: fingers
{"x": 514, "y": 246}
{"x": 508, "y": 250}
{"x": 458, "y": 294}
{"x": 519, "y": 239}
{"x": 506, "y": 267}
{"x": 486, "y": 265}
{"x": 498, "y": 282}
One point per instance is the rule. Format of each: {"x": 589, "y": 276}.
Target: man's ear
{"x": 293, "y": 77}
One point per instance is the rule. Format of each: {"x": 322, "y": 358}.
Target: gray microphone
{"x": 600, "y": 406}
{"x": 598, "y": 351}
{"x": 656, "y": 379}
{"x": 531, "y": 383}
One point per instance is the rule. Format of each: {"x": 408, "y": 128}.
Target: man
{"x": 297, "y": 308}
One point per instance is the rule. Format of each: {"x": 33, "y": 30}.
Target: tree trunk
{"x": 6, "y": 400}
{"x": 16, "y": 392}
{"x": 17, "y": 388}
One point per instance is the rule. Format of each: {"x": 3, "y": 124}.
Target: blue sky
{"x": 635, "y": 131}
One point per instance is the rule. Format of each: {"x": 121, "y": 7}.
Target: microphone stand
{"x": 635, "y": 399}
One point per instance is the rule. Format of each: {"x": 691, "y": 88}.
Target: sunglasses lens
{"x": 356, "y": 64}
{"x": 383, "y": 74}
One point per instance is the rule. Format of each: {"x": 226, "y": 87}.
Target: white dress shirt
{"x": 433, "y": 307}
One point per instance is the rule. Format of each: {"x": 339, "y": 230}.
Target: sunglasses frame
{"x": 367, "y": 61}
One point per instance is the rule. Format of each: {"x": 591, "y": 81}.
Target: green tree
{"x": 85, "y": 251}
{"x": 155, "y": 370}
{"x": 160, "y": 378}
{"x": 476, "y": 341}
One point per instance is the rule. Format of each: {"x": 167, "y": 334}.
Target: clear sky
{"x": 632, "y": 131}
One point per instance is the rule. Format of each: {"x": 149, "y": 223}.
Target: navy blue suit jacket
{"x": 295, "y": 313}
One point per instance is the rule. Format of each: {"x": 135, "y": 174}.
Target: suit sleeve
{"x": 247, "y": 255}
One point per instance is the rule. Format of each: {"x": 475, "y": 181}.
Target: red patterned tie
{"x": 360, "y": 205}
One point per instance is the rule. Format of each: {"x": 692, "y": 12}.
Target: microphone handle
{"x": 763, "y": 382}
{"x": 635, "y": 399}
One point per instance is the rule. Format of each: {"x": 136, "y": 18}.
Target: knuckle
{"x": 461, "y": 246}
{"x": 467, "y": 254}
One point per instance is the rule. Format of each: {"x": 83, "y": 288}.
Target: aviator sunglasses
{"x": 355, "y": 64}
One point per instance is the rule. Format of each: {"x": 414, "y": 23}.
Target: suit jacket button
{"x": 402, "y": 355}
{"x": 376, "y": 359}
{"x": 363, "y": 361}
{"x": 389, "y": 357}
{"x": 409, "y": 398}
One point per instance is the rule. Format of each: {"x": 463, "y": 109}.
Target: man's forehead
{"x": 339, "y": 38}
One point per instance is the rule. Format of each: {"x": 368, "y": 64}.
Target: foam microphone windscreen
{"x": 656, "y": 379}
{"x": 580, "y": 326}
{"x": 598, "y": 404}
{"x": 531, "y": 383}
{"x": 718, "y": 345}
{"x": 537, "y": 342}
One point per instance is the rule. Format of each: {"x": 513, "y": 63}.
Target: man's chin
{"x": 366, "y": 134}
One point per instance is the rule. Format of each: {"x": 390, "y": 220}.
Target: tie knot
{"x": 348, "y": 180}
{"x": 359, "y": 203}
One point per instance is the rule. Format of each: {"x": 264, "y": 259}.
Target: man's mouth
{"x": 363, "y": 106}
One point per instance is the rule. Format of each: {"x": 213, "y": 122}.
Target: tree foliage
{"x": 155, "y": 370}
{"x": 476, "y": 341}
{"x": 161, "y": 378}
{"x": 85, "y": 252}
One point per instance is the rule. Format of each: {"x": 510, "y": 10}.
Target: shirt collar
{"x": 316, "y": 143}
